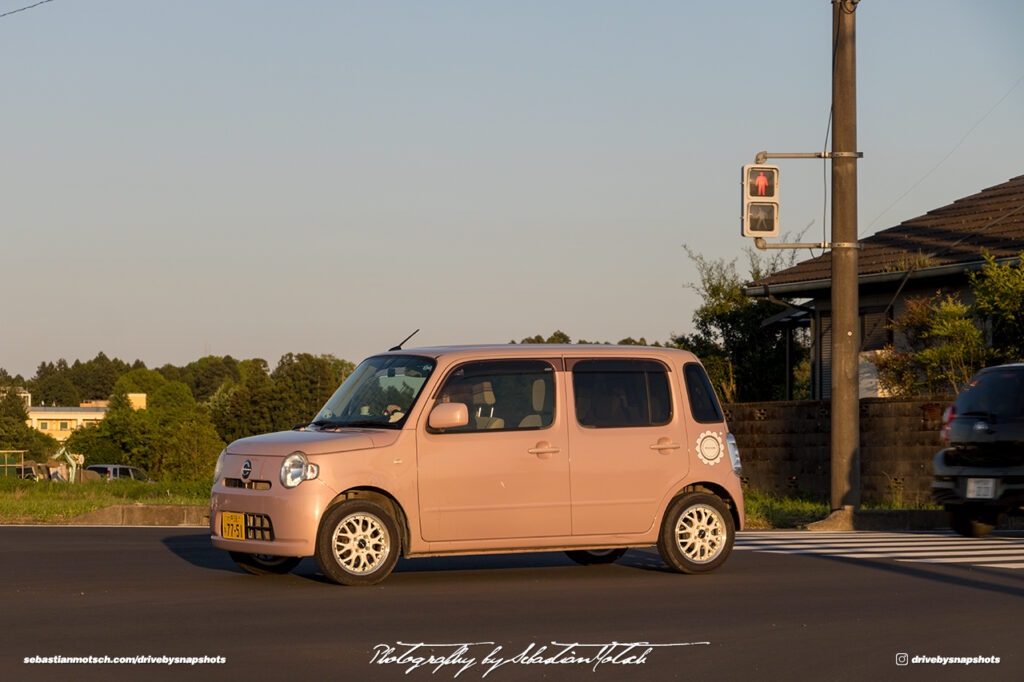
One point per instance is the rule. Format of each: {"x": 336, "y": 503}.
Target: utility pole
{"x": 845, "y": 441}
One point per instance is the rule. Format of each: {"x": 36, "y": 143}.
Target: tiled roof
{"x": 990, "y": 221}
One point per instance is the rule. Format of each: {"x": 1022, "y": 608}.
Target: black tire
{"x": 265, "y": 564}
{"x": 357, "y": 543}
{"x": 590, "y": 557}
{"x": 972, "y": 522}
{"x": 696, "y": 534}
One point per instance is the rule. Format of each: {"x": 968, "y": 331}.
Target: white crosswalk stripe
{"x": 931, "y": 547}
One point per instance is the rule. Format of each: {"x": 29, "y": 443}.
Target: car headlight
{"x": 296, "y": 468}
{"x": 734, "y": 454}
{"x": 219, "y": 469}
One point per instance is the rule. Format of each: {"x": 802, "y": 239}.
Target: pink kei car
{"x": 472, "y": 450}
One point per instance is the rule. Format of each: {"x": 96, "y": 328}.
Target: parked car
{"x": 116, "y": 471}
{"x": 979, "y": 475}
{"x": 466, "y": 450}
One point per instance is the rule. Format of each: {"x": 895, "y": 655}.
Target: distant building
{"x": 61, "y": 422}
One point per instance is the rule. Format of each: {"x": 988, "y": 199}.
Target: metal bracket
{"x": 761, "y": 157}
{"x": 760, "y": 243}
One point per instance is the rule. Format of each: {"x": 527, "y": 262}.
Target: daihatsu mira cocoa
{"x": 472, "y": 450}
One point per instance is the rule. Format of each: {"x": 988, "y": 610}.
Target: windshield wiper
{"x": 369, "y": 423}
{"x": 336, "y": 424}
{"x": 327, "y": 424}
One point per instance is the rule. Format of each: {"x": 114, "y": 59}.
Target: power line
{"x": 946, "y": 157}
{"x": 15, "y": 11}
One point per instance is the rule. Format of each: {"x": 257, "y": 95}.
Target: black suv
{"x": 980, "y": 473}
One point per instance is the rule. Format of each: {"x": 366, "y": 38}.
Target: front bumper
{"x": 279, "y": 521}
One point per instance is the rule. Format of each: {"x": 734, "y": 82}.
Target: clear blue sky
{"x": 253, "y": 178}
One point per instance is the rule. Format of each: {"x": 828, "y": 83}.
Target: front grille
{"x": 248, "y": 485}
{"x": 258, "y": 527}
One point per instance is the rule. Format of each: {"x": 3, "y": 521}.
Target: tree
{"x": 557, "y": 337}
{"x": 999, "y": 305}
{"x": 941, "y": 340}
{"x": 307, "y": 381}
{"x": 939, "y": 349}
{"x": 16, "y": 434}
{"x": 56, "y": 389}
{"x": 746, "y": 360}
{"x": 139, "y": 381}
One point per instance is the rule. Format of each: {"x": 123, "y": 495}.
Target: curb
{"x": 145, "y": 515}
{"x": 898, "y": 519}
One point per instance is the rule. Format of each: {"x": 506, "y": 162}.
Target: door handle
{"x": 543, "y": 450}
{"x": 665, "y": 444}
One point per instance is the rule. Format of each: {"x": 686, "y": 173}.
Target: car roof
{"x": 544, "y": 350}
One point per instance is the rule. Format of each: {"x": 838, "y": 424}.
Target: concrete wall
{"x": 785, "y": 446}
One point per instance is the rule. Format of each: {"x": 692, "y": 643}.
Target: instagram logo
{"x": 902, "y": 659}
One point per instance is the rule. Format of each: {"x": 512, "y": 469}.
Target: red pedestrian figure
{"x": 762, "y": 184}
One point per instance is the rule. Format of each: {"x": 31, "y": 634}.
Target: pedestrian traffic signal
{"x": 760, "y": 201}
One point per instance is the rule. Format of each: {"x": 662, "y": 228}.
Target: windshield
{"x": 379, "y": 393}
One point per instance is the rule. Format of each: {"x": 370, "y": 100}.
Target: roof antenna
{"x": 399, "y": 346}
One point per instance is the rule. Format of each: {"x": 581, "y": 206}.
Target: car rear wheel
{"x": 358, "y": 543}
{"x": 696, "y": 534}
{"x": 265, "y": 564}
{"x": 589, "y": 557}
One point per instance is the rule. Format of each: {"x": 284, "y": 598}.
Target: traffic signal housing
{"x": 760, "y": 201}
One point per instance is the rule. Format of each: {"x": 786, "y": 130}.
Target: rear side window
{"x": 703, "y": 403}
{"x": 997, "y": 393}
{"x": 504, "y": 395}
{"x": 621, "y": 393}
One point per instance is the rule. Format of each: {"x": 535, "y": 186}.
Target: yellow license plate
{"x": 232, "y": 526}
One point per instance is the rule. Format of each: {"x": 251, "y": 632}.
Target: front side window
{"x": 379, "y": 393}
{"x": 502, "y": 395}
{"x": 621, "y": 393}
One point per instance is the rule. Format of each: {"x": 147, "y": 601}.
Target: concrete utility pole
{"x": 845, "y": 306}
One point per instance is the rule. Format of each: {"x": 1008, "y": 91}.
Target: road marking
{"x": 906, "y": 547}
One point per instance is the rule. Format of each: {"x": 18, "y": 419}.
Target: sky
{"x": 249, "y": 178}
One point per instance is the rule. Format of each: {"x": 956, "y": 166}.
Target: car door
{"x": 627, "y": 440}
{"x": 505, "y": 474}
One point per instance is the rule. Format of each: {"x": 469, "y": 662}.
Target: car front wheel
{"x": 696, "y": 534}
{"x": 358, "y": 543}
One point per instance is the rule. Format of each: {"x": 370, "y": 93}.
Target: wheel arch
{"x": 382, "y": 498}
{"x": 712, "y": 489}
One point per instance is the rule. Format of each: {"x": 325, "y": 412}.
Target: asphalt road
{"x": 122, "y": 592}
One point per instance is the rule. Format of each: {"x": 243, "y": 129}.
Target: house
{"x": 61, "y": 422}
{"x": 933, "y": 253}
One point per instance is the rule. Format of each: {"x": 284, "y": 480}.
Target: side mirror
{"x": 448, "y": 416}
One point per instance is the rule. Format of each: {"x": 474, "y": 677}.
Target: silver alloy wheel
{"x": 361, "y": 543}
{"x": 700, "y": 533}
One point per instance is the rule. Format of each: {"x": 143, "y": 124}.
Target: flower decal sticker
{"x": 710, "y": 448}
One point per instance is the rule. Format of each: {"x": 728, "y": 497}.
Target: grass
{"x": 767, "y": 511}
{"x": 24, "y": 501}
